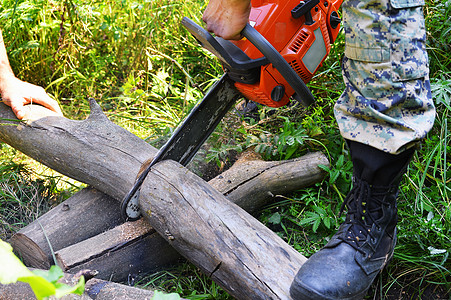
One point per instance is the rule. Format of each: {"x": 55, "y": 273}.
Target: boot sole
{"x": 304, "y": 293}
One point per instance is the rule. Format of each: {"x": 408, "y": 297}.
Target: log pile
{"x": 207, "y": 223}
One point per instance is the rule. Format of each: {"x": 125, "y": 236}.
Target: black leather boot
{"x": 364, "y": 243}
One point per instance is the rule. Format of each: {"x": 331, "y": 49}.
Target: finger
{"x": 42, "y": 98}
{"x": 18, "y": 108}
{"x": 225, "y": 33}
{"x": 235, "y": 36}
{"x": 50, "y": 104}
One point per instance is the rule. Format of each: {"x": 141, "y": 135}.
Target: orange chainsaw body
{"x": 304, "y": 42}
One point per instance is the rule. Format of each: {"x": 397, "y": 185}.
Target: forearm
{"x": 5, "y": 68}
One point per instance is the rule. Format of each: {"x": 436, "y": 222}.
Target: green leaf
{"x": 320, "y": 211}
{"x": 241, "y": 130}
{"x": 162, "y": 296}
{"x": 12, "y": 268}
{"x": 41, "y": 287}
{"x": 326, "y": 222}
{"x": 316, "y": 224}
{"x": 259, "y": 148}
{"x": 324, "y": 168}
{"x": 340, "y": 162}
{"x": 275, "y": 218}
{"x": 315, "y": 130}
{"x": 43, "y": 283}
{"x": 441, "y": 91}
{"x": 52, "y": 275}
{"x": 333, "y": 176}
{"x": 290, "y": 152}
{"x": 300, "y": 139}
{"x": 310, "y": 218}
{"x": 268, "y": 151}
{"x": 64, "y": 289}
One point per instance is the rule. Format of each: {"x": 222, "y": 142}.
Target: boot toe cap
{"x": 329, "y": 274}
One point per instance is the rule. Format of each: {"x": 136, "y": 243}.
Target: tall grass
{"x": 129, "y": 56}
{"x": 146, "y": 72}
{"x": 24, "y": 194}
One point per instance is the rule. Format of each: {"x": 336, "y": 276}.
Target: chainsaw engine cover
{"x": 302, "y": 32}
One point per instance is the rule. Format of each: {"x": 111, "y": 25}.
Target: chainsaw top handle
{"x": 234, "y": 59}
{"x": 277, "y": 60}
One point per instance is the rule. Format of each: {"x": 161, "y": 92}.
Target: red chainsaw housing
{"x": 302, "y": 45}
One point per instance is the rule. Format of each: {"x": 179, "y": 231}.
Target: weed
{"x": 285, "y": 144}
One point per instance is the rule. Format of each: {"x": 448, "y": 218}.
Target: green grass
{"x": 25, "y": 194}
{"x": 146, "y": 72}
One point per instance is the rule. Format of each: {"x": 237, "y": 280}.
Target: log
{"x": 120, "y": 254}
{"x": 249, "y": 182}
{"x": 94, "y": 151}
{"x": 94, "y": 289}
{"x": 106, "y": 290}
{"x": 225, "y": 242}
{"x": 14, "y": 291}
{"x": 86, "y": 214}
{"x": 241, "y": 254}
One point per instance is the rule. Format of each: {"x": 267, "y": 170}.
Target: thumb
{"x": 18, "y": 109}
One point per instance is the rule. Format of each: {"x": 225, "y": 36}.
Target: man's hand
{"x": 227, "y": 18}
{"x": 17, "y": 93}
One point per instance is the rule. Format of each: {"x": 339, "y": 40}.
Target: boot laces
{"x": 364, "y": 205}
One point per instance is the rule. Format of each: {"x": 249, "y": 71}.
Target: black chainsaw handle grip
{"x": 277, "y": 60}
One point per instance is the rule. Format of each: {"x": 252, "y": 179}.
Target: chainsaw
{"x": 284, "y": 44}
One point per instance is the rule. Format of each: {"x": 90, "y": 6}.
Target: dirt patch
{"x": 407, "y": 287}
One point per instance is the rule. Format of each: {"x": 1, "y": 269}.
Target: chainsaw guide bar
{"x": 187, "y": 138}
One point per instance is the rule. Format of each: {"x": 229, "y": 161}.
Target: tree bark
{"x": 94, "y": 151}
{"x": 18, "y": 290}
{"x": 240, "y": 253}
{"x": 228, "y": 244}
{"x": 251, "y": 184}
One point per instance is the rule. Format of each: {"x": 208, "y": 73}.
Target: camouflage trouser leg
{"x": 387, "y": 101}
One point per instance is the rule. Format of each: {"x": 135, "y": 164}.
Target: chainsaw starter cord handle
{"x": 277, "y": 60}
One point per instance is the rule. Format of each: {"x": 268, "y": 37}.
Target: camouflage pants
{"x": 387, "y": 100}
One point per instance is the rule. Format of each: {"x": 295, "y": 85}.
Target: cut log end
{"x": 29, "y": 251}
